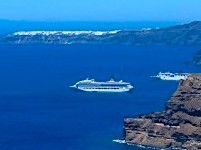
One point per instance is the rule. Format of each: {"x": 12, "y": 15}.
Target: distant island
{"x": 178, "y": 126}
{"x": 186, "y": 34}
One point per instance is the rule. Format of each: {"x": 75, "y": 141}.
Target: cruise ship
{"x": 90, "y": 85}
{"x": 171, "y": 76}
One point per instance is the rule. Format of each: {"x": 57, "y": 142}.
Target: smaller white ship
{"x": 90, "y": 85}
{"x": 171, "y": 76}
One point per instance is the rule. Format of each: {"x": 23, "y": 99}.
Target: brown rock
{"x": 179, "y": 126}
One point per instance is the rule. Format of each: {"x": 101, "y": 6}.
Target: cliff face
{"x": 187, "y": 34}
{"x": 179, "y": 126}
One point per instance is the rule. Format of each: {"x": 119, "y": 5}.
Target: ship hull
{"x": 105, "y": 90}
{"x": 174, "y": 79}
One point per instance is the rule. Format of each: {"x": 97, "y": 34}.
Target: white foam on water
{"x": 141, "y": 146}
{"x": 119, "y": 141}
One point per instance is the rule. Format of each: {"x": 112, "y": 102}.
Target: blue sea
{"x": 38, "y": 110}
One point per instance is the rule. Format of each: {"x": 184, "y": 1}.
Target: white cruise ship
{"x": 90, "y": 85}
{"x": 171, "y": 76}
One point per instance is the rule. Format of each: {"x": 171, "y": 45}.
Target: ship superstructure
{"x": 90, "y": 85}
{"x": 171, "y": 76}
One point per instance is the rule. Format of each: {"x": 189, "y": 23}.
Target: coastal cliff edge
{"x": 178, "y": 126}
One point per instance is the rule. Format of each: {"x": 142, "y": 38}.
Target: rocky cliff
{"x": 187, "y": 34}
{"x": 179, "y": 126}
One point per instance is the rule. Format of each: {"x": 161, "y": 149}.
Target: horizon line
{"x": 101, "y": 21}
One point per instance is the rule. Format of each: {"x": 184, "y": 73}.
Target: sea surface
{"x": 38, "y": 110}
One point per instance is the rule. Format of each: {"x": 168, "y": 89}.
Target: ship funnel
{"x": 112, "y": 79}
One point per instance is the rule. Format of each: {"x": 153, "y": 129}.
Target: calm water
{"x": 39, "y": 111}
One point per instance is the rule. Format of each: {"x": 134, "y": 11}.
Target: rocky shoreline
{"x": 179, "y": 126}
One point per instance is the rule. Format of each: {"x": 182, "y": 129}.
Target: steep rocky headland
{"x": 197, "y": 58}
{"x": 179, "y": 126}
{"x": 186, "y": 34}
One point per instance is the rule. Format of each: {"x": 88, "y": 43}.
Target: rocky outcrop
{"x": 197, "y": 58}
{"x": 187, "y": 34}
{"x": 179, "y": 126}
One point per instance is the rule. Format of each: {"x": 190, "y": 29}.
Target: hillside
{"x": 187, "y": 34}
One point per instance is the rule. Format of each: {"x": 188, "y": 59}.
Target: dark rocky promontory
{"x": 179, "y": 126}
{"x": 197, "y": 58}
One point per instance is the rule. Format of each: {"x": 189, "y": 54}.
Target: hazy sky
{"x": 101, "y": 10}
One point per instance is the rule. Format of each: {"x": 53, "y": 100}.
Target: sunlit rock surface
{"x": 179, "y": 126}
